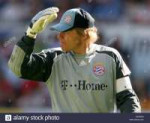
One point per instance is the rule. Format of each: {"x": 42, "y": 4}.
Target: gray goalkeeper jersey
{"x": 76, "y": 83}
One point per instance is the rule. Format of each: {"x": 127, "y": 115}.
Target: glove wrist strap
{"x": 30, "y": 33}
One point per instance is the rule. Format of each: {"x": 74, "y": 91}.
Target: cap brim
{"x": 60, "y": 27}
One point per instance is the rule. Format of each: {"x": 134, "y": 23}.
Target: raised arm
{"x": 23, "y": 62}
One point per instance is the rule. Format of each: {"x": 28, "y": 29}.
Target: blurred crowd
{"x": 123, "y": 24}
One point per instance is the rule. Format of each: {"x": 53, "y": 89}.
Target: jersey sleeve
{"x": 127, "y": 100}
{"x": 28, "y": 65}
{"x": 121, "y": 68}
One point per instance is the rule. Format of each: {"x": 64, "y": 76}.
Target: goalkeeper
{"x": 81, "y": 76}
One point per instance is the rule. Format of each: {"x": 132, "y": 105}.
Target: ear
{"x": 86, "y": 35}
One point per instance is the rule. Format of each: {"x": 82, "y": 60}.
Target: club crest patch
{"x": 68, "y": 19}
{"x": 98, "y": 69}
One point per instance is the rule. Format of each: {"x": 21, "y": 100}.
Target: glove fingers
{"x": 47, "y": 19}
{"x": 51, "y": 9}
{"x": 42, "y": 19}
{"x": 51, "y": 17}
{"x": 47, "y": 11}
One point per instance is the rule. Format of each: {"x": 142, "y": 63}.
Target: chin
{"x": 63, "y": 49}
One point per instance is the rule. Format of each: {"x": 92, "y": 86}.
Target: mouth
{"x": 62, "y": 43}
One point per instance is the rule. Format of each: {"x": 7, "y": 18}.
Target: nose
{"x": 61, "y": 37}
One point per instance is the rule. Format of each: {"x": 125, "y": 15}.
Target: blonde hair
{"x": 91, "y": 33}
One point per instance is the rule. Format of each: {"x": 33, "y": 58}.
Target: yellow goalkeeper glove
{"x": 41, "y": 20}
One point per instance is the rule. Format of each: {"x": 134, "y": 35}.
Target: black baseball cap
{"x": 74, "y": 18}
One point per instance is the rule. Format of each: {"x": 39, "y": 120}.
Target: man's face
{"x": 69, "y": 41}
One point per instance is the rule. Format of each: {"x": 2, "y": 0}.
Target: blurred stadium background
{"x": 123, "y": 24}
